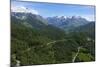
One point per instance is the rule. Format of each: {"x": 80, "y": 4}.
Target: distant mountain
{"x": 29, "y": 19}
{"x": 67, "y": 23}
{"x": 36, "y": 22}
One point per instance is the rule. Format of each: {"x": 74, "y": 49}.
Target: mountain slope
{"x": 88, "y": 29}
{"x": 29, "y": 19}
{"x": 67, "y": 23}
{"x": 33, "y": 42}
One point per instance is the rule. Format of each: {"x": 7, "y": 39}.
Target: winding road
{"x": 17, "y": 61}
{"x": 52, "y": 42}
{"x": 78, "y": 50}
{"x": 55, "y": 41}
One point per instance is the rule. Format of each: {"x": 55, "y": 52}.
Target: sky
{"x": 51, "y": 9}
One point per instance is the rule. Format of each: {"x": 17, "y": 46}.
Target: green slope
{"x": 46, "y": 44}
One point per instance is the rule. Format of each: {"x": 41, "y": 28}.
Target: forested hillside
{"x": 35, "y": 41}
{"x": 88, "y": 29}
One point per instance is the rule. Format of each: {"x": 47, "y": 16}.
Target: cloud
{"x": 89, "y": 17}
{"x": 23, "y": 9}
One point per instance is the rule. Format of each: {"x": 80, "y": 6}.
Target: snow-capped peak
{"x": 62, "y": 17}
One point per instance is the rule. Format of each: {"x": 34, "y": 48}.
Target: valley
{"x": 36, "y": 40}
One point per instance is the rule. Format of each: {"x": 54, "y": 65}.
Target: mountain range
{"x": 37, "y": 40}
{"x": 63, "y": 22}
{"x": 67, "y": 23}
